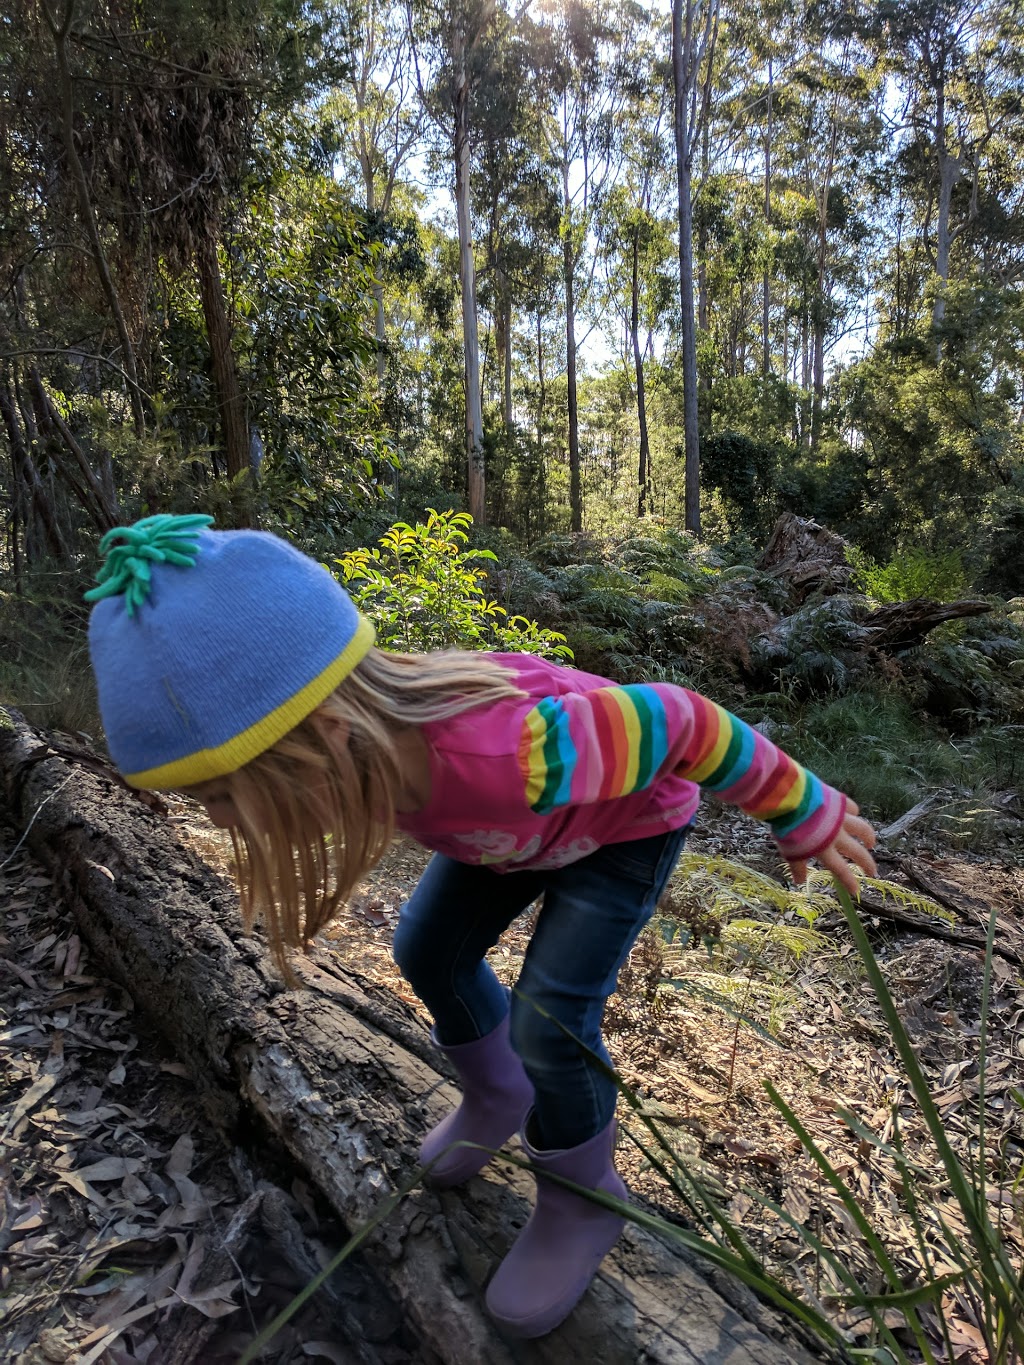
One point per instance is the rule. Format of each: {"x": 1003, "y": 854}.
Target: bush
{"x": 911, "y": 572}
{"x": 423, "y": 589}
{"x": 873, "y": 745}
{"x": 44, "y": 658}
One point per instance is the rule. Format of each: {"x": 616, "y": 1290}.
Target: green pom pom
{"x": 127, "y": 570}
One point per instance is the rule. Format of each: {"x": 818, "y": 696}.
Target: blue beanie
{"x": 209, "y": 646}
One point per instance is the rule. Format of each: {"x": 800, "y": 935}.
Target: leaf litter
{"x": 129, "y": 1234}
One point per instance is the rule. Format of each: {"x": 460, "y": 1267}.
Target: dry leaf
{"x": 181, "y": 1156}
{"x": 36, "y": 1092}
{"x": 326, "y": 1350}
{"x": 110, "y": 1168}
{"x": 797, "y": 1205}
{"x": 86, "y": 1191}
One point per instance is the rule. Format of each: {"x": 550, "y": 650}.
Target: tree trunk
{"x": 59, "y": 33}
{"x": 683, "y": 77}
{"x": 370, "y": 190}
{"x": 505, "y": 318}
{"x": 541, "y": 401}
{"x": 706, "y": 371}
{"x": 475, "y": 476}
{"x": 230, "y": 403}
{"x": 29, "y": 484}
{"x": 766, "y": 354}
{"x": 947, "y": 176}
{"x": 341, "y": 1078}
{"x": 644, "y": 464}
{"x": 91, "y": 493}
{"x": 569, "y": 283}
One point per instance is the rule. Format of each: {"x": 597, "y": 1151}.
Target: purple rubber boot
{"x": 496, "y": 1097}
{"x": 557, "y": 1254}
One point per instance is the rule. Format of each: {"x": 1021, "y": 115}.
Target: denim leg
{"x": 593, "y": 911}
{"x": 457, "y": 913}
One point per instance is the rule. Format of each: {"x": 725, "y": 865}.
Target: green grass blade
{"x": 994, "y": 1266}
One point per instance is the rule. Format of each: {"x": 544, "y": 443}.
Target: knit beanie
{"x": 209, "y": 646}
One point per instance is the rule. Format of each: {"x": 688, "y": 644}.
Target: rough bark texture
{"x": 230, "y": 402}
{"x": 342, "y": 1077}
{"x": 476, "y": 474}
{"x": 806, "y": 557}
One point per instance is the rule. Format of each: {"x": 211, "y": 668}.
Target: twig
{"x": 56, "y": 792}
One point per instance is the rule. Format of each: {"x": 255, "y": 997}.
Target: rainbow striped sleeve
{"x": 593, "y": 746}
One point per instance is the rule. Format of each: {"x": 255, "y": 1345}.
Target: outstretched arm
{"x": 600, "y": 744}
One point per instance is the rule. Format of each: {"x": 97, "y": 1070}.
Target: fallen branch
{"x": 881, "y": 909}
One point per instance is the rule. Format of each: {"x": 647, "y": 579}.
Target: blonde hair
{"x": 317, "y": 811}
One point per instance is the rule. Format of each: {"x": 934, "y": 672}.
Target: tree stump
{"x": 341, "y": 1076}
{"x": 806, "y": 558}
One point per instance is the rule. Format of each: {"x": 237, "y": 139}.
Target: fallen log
{"x": 341, "y": 1077}
{"x": 899, "y": 626}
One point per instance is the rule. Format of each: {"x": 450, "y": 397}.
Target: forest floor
{"x": 105, "y": 1131}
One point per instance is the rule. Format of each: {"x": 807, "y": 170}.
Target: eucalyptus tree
{"x": 580, "y": 58}
{"x": 509, "y": 195}
{"x": 452, "y": 49}
{"x": 833, "y": 118}
{"x": 694, "y": 34}
{"x": 635, "y": 232}
{"x": 382, "y": 120}
{"x": 956, "y": 64}
{"x": 185, "y": 131}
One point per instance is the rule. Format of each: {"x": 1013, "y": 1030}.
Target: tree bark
{"x": 766, "y": 284}
{"x": 644, "y": 464}
{"x": 688, "y": 49}
{"x": 947, "y": 175}
{"x": 230, "y": 403}
{"x": 573, "y": 410}
{"x": 28, "y": 478}
{"x": 341, "y": 1077}
{"x": 93, "y": 496}
{"x": 475, "y": 477}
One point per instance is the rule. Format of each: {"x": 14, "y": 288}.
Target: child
{"x": 230, "y": 665}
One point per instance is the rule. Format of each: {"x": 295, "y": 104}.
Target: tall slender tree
{"x": 383, "y": 121}
{"x": 694, "y": 33}
{"x": 578, "y": 57}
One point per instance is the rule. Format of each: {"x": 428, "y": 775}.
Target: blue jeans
{"x": 591, "y": 914}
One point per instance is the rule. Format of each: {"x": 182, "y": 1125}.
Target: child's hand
{"x": 851, "y": 845}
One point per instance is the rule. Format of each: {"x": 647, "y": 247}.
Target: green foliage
{"x": 973, "y": 672}
{"x": 1000, "y": 544}
{"x": 424, "y": 590}
{"x": 819, "y": 648}
{"x": 874, "y": 744}
{"x": 44, "y": 659}
{"x": 912, "y": 572}
{"x": 744, "y": 471}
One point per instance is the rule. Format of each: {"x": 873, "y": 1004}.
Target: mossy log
{"x": 341, "y": 1075}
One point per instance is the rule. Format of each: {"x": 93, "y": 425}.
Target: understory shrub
{"x": 912, "y": 572}
{"x": 423, "y": 588}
